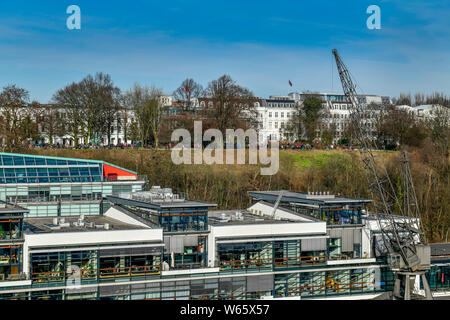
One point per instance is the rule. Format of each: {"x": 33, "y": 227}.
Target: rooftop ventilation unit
{"x": 63, "y": 223}
{"x": 224, "y": 218}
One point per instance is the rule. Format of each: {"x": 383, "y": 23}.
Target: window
{"x": 334, "y": 248}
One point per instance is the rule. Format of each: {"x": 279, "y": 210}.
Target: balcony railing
{"x": 269, "y": 262}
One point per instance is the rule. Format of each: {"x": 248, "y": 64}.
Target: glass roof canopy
{"x": 17, "y": 168}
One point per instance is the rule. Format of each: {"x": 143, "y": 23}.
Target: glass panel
{"x": 74, "y": 172}
{"x": 29, "y": 161}
{"x": 18, "y": 161}
{"x": 20, "y": 172}
{"x": 31, "y": 172}
{"x": 40, "y": 162}
{"x": 94, "y": 171}
{"x": 42, "y": 172}
{"x": 9, "y": 172}
{"x": 7, "y": 161}
{"x": 51, "y": 162}
{"x": 21, "y": 180}
{"x": 62, "y": 162}
{"x": 63, "y": 172}
{"x": 84, "y": 171}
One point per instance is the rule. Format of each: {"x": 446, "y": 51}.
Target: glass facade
{"x": 183, "y": 219}
{"x": 10, "y": 260}
{"x": 323, "y": 283}
{"x": 176, "y": 219}
{"x": 94, "y": 265}
{"x": 56, "y": 186}
{"x": 272, "y": 255}
{"x": 439, "y": 277}
{"x": 333, "y": 216}
{"x": 11, "y": 242}
{"x": 304, "y": 284}
{"x": 36, "y": 169}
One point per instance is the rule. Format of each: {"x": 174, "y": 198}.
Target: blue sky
{"x": 261, "y": 44}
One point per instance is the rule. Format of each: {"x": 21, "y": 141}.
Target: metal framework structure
{"x": 403, "y": 238}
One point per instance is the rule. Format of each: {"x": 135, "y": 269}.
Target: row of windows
{"x": 288, "y": 114}
{"x": 31, "y": 161}
{"x": 49, "y": 172}
{"x": 51, "y": 180}
{"x": 281, "y": 105}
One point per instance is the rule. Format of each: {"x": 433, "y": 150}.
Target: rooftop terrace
{"x": 75, "y": 224}
{"x": 239, "y": 217}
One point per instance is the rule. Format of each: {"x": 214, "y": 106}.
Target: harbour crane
{"x": 404, "y": 241}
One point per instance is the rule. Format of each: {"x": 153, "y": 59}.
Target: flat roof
{"x": 229, "y": 217}
{"x": 304, "y": 197}
{"x": 45, "y": 225}
{"x": 176, "y": 203}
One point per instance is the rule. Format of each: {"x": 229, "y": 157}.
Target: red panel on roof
{"x": 113, "y": 171}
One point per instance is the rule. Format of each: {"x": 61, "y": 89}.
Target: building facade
{"x": 54, "y": 186}
{"x": 158, "y": 245}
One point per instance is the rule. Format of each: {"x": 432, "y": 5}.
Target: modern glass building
{"x": 131, "y": 252}
{"x": 11, "y": 241}
{"x": 53, "y": 186}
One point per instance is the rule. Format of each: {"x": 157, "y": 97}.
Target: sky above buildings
{"x": 261, "y": 44}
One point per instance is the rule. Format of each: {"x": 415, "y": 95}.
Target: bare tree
{"x": 69, "y": 100}
{"x": 419, "y": 99}
{"x": 439, "y": 126}
{"x": 186, "y": 92}
{"x": 145, "y": 103}
{"x": 51, "y": 122}
{"x": 92, "y": 105}
{"x": 404, "y": 99}
{"x": 13, "y": 103}
{"x": 229, "y": 105}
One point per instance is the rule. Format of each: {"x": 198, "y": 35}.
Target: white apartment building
{"x": 273, "y": 115}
